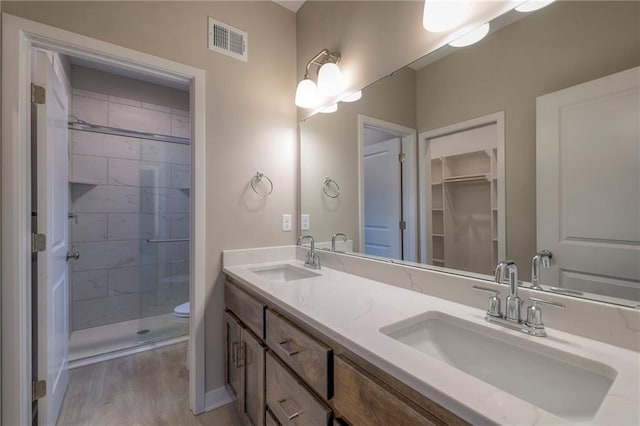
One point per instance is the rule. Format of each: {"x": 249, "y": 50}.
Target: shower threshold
{"x": 111, "y": 341}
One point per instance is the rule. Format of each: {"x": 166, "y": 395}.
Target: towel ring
{"x": 327, "y": 188}
{"x": 256, "y": 179}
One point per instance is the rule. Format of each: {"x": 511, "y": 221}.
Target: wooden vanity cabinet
{"x": 284, "y": 372}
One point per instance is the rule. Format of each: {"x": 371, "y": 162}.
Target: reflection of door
{"x": 383, "y": 199}
{"x": 588, "y": 185}
{"x": 52, "y": 209}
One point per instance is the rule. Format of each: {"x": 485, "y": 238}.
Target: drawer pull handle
{"x": 289, "y": 416}
{"x": 234, "y": 353}
{"x": 287, "y": 352}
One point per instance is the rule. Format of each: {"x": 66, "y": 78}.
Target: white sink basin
{"x": 283, "y": 273}
{"x": 559, "y": 382}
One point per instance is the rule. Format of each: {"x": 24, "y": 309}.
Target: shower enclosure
{"x": 129, "y": 221}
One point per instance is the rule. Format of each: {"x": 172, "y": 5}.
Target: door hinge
{"x": 38, "y": 94}
{"x": 401, "y": 157}
{"x": 403, "y": 225}
{"x": 38, "y": 389}
{"x": 38, "y": 242}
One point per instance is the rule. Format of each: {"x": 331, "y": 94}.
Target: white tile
{"x": 178, "y": 201}
{"x": 106, "y": 254}
{"x": 105, "y": 199}
{"x": 135, "y": 173}
{"x": 125, "y": 101}
{"x": 180, "y": 126}
{"x": 159, "y": 253}
{"x": 88, "y": 169}
{"x": 180, "y": 176}
{"x": 127, "y": 226}
{"x": 181, "y": 112}
{"x": 138, "y": 119}
{"x": 162, "y": 301}
{"x": 105, "y": 310}
{"x": 89, "y": 284}
{"x": 137, "y": 279}
{"x": 180, "y": 225}
{"x": 89, "y": 94}
{"x": 102, "y": 145}
{"x": 162, "y": 200}
{"x": 88, "y": 227}
{"x": 155, "y": 107}
{"x": 93, "y": 111}
{"x": 165, "y": 152}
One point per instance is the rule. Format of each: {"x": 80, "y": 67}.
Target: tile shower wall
{"x": 124, "y": 191}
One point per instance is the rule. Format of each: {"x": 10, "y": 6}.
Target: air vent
{"x": 226, "y": 39}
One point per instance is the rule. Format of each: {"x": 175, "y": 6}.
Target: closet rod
{"x": 83, "y": 126}
{"x": 472, "y": 178}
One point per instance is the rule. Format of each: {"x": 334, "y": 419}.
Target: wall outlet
{"x": 286, "y": 223}
{"x": 305, "y": 222}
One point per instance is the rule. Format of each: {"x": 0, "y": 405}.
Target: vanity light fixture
{"x": 531, "y": 5}
{"x": 471, "y": 37}
{"x": 330, "y": 109}
{"x": 443, "y": 15}
{"x": 355, "y": 96}
{"x": 330, "y": 80}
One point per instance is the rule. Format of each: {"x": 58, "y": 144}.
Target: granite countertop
{"x": 351, "y": 310}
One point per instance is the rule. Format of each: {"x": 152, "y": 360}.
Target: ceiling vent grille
{"x": 228, "y": 40}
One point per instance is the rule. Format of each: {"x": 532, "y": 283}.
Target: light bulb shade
{"x": 532, "y": 5}
{"x": 353, "y": 97}
{"x": 471, "y": 37}
{"x": 306, "y": 94}
{"x": 443, "y": 15}
{"x": 330, "y": 108}
{"x": 330, "y": 79}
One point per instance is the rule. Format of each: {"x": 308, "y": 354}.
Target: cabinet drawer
{"x": 301, "y": 352}
{"x": 246, "y": 308}
{"x": 289, "y": 401}
{"x": 271, "y": 420}
{"x": 364, "y": 402}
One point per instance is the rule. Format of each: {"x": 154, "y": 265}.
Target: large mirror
{"x": 525, "y": 143}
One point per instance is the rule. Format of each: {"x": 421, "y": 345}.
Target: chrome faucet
{"x": 541, "y": 259}
{"x": 511, "y": 319}
{"x": 513, "y": 301}
{"x": 333, "y": 240}
{"x": 312, "y": 260}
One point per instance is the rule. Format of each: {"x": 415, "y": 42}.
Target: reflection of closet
{"x": 463, "y": 204}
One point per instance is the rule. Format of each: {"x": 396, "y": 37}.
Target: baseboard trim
{"x": 216, "y": 399}
{"x": 125, "y": 352}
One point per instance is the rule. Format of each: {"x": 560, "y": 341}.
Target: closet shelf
{"x": 467, "y": 178}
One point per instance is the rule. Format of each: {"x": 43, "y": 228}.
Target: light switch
{"x": 286, "y": 223}
{"x": 304, "y": 222}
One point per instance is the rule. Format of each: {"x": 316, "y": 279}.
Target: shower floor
{"x": 113, "y": 340}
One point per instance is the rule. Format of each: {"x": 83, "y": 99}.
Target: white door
{"x": 588, "y": 185}
{"x": 52, "y": 209}
{"x": 383, "y": 199}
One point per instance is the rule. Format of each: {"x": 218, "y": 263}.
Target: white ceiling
{"x": 292, "y": 5}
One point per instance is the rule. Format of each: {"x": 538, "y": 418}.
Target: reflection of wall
{"x": 250, "y": 114}
{"x": 127, "y": 190}
{"x": 329, "y": 147}
{"x": 566, "y": 43}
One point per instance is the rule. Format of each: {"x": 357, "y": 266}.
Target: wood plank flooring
{"x": 145, "y": 389}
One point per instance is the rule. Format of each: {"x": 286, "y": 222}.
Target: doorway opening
{"x": 65, "y": 213}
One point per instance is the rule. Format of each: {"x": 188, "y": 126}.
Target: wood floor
{"x": 146, "y": 389}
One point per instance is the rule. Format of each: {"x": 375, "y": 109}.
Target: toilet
{"x": 181, "y": 314}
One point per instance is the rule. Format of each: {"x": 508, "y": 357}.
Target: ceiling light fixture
{"x": 355, "y": 96}
{"x": 471, "y": 37}
{"x": 443, "y": 15}
{"x": 330, "y": 80}
{"x": 531, "y": 5}
{"x": 330, "y": 109}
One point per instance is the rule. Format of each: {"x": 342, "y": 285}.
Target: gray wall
{"x": 250, "y": 115}
{"x": 564, "y": 44}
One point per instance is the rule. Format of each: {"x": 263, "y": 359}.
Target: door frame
{"x": 409, "y": 181}
{"x": 424, "y": 171}
{"x": 18, "y": 37}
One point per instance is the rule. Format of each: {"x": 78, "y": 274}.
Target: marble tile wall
{"x": 124, "y": 191}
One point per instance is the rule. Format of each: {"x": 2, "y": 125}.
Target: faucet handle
{"x": 494, "y": 309}
{"x": 534, "y": 313}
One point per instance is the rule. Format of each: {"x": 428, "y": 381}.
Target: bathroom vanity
{"x": 331, "y": 346}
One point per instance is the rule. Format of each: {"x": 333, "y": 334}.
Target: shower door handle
{"x": 75, "y": 255}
